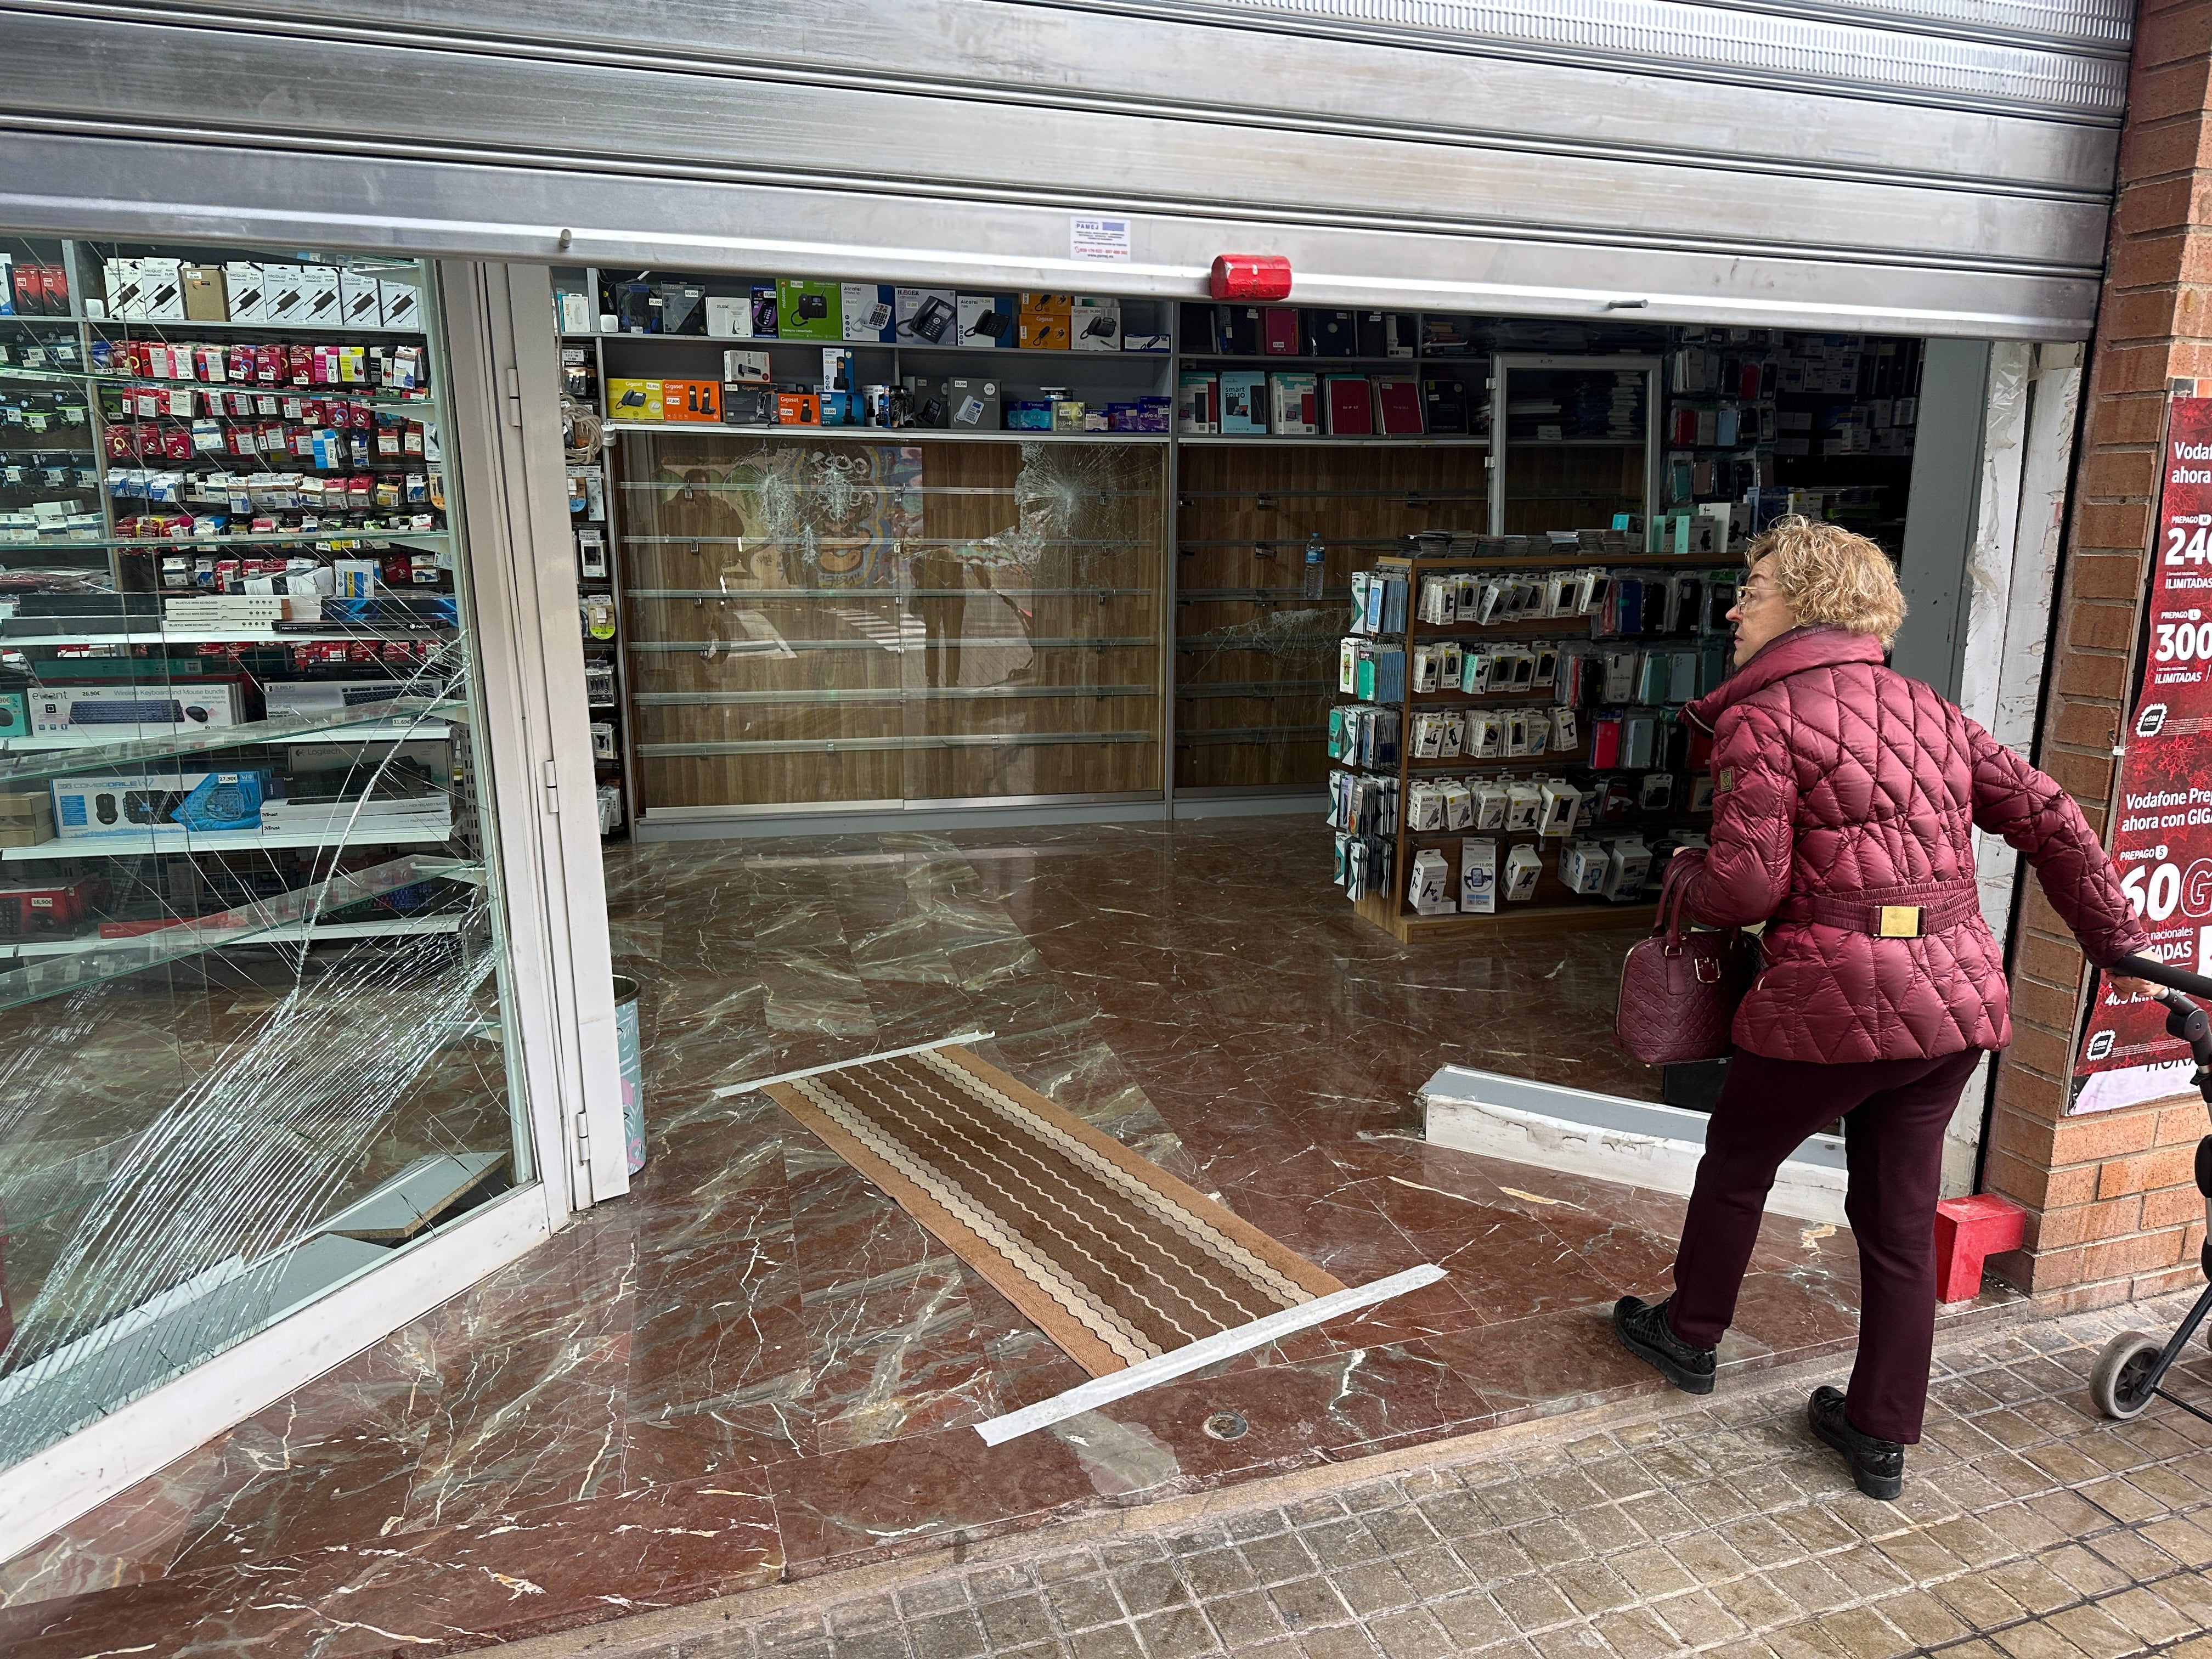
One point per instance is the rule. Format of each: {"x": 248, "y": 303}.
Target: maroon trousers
{"x": 1894, "y": 1114}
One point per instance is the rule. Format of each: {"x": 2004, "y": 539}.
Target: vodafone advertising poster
{"x": 2162, "y": 838}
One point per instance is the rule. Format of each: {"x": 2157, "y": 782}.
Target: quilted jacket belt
{"x": 1897, "y": 913}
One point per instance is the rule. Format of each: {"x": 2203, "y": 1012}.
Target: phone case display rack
{"x": 1268, "y": 525}
{"x": 1488, "y": 696}
{"x": 232, "y": 705}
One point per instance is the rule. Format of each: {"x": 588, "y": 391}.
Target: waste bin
{"x": 629, "y": 1051}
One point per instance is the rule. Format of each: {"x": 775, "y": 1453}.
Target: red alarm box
{"x": 1251, "y": 277}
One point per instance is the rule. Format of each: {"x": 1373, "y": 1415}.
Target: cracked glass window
{"x": 252, "y": 975}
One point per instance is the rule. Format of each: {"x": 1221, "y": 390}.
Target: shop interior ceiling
{"x": 1923, "y": 167}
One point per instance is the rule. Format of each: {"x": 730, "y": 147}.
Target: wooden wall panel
{"x": 1256, "y": 673}
{"x": 887, "y": 620}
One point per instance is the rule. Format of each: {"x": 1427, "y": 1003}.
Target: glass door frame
{"x": 1502, "y": 366}
{"x": 503, "y": 460}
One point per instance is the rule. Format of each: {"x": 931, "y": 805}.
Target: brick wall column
{"x": 2113, "y": 1213}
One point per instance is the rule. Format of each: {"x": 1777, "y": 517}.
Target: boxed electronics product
{"x": 986, "y": 319}
{"x": 1524, "y": 866}
{"x": 282, "y": 294}
{"x": 26, "y": 820}
{"x": 747, "y": 366}
{"x": 749, "y": 403}
{"x": 361, "y": 303}
{"x": 14, "y": 715}
{"x": 925, "y": 316}
{"x": 1044, "y": 319}
{"x": 120, "y": 293}
{"x": 1095, "y": 325}
{"x": 972, "y": 405}
{"x": 1291, "y": 404}
{"x": 162, "y": 282}
{"x": 868, "y": 312}
{"x": 243, "y": 290}
{"x": 797, "y": 408}
{"x": 114, "y": 713}
{"x": 118, "y": 805}
{"x": 1241, "y": 410}
{"x": 318, "y": 294}
{"x": 1478, "y": 876}
{"x": 1428, "y": 885}
{"x": 1627, "y": 864}
{"x": 730, "y": 317}
{"x": 1198, "y": 402}
{"x": 204, "y": 298}
{"x": 287, "y": 698}
{"x": 49, "y": 911}
{"x": 682, "y": 308}
{"x": 415, "y": 816}
{"x": 1556, "y": 815}
{"x": 401, "y": 302}
{"x": 633, "y": 400}
{"x": 690, "y": 400}
{"x": 1581, "y": 867}
{"x": 807, "y": 311}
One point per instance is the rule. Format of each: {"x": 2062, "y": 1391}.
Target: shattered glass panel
{"x": 252, "y": 970}
{"x": 882, "y": 620}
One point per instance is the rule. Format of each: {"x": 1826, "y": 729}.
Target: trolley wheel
{"x": 2120, "y": 1383}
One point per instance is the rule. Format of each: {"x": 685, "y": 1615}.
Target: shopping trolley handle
{"x": 2184, "y": 1020}
{"x": 2159, "y": 973}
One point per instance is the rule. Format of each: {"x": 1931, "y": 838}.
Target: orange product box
{"x": 798, "y": 408}
{"x": 690, "y": 400}
{"x": 1044, "y": 321}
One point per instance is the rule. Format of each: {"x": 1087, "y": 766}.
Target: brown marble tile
{"x": 756, "y": 1364}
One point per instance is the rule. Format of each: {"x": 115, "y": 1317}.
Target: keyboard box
{"x": 114, "y": 713}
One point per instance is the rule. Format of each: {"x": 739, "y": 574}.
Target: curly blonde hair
{"x": 1830, "y": 574}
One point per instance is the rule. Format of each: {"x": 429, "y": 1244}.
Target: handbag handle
{"x": 1673, "y": 900}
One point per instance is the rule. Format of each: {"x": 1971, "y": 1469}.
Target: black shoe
{"x": 1877, "y": 1466}
{"x": 1645, "y": 1333}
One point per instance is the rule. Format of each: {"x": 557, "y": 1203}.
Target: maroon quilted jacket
{"x": 1841, "y": 785}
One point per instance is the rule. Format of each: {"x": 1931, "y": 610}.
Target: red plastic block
{"x": 1968, "y": 1229}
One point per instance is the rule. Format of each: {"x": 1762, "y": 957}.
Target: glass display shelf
{"x": 769, "y": 341}
{"x": 12, "y": 639}
{"x": 403, "y": 720}
{"x": 880, "y": 695}
{"x": 153, "y": 838}
{"x": 181, "y": 329}
{"x": 1099, "y": 642}
{"x": 1424, "y": 440}
{"x": 356, "y": 392}
{"x": 264, "y": 538}
{"x": 12, "y": 950}
{"x": 848, "y": 593}
{"x": 246, "y": 925}
{"x": 905, "y": 743}
{"x": 1282, "y": 361}
{"x": 880, "y": 434}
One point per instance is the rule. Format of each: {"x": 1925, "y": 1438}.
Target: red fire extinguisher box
{"x": 1251, "y": 277}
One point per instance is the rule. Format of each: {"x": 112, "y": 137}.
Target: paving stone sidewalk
{"x": 2029, "y": 1528}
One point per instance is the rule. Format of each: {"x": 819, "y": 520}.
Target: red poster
{"x": 2162, "y": 832}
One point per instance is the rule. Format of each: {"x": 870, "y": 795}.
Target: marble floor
{"x": 755, "y": 1366}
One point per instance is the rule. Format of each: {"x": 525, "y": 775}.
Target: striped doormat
{"x": 1136, "y": 1276}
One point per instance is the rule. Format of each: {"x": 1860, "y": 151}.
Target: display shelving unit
{"x": 1554, "y": 906}
{"x": 60, "y": 418}
{"x": 1558, "y": 440}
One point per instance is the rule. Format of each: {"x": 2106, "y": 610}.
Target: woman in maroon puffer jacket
{"x": 1845, "y": 797}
